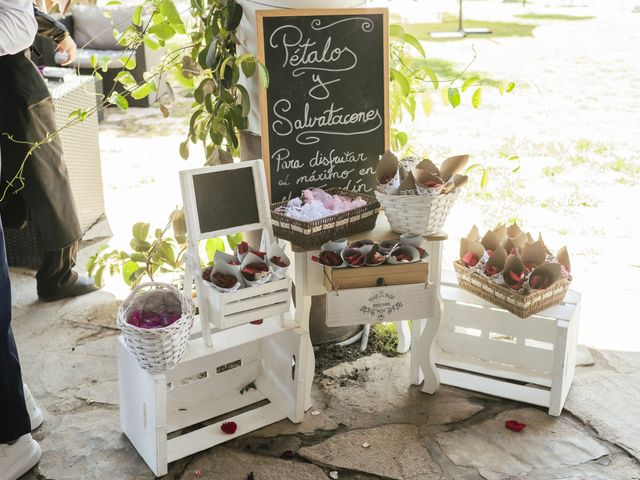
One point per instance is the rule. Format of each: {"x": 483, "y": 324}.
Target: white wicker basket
{"x": 417, "y": 213}
{"x": 156, "y": 349}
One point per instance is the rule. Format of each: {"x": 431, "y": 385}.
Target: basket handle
{"x": 158, "y": 285}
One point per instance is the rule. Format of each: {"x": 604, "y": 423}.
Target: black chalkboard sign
{"x": 325, "y": 113}
{"x": 225, "y": 199}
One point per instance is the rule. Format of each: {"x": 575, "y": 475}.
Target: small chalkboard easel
{"x": 226, "y": 200}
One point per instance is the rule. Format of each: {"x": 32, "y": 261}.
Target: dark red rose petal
{"x": 262, "y": 255}
{"x": 229, "y": 427}
{"x": 470, "y": 260}
{"x": 490, "y": 270}
{"x": 514, "y": 425}
{"x": 288, "y": 454}
{"x": 516, "y": 277}
{"x": 243, "y": 247}
{"x": 257, "y": 322}
{"x": 278, "y": 261}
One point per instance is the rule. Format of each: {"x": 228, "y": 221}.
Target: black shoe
{"x": 81, "y": 286}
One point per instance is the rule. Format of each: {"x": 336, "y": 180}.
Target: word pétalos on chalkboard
{"x": 325, "y": 113}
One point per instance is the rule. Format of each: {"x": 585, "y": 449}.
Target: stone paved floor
{"x": 68, "y": 353}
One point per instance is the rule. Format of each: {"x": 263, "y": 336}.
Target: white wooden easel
{"x": 253, "y": 375}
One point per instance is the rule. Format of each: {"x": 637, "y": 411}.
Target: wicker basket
{"x": 521, "y": 305}
{"x": 417, "y": 213}
{"x": 313, "y": 234}
{"x": 156, "y": 349}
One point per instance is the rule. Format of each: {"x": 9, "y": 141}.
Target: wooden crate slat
{"x": 211, "y": 435}
{"x": 253, "y": 292}
{"x": 477, "y": 383}
{"x": 211, "y": 389}
{"x": 496, "y": 350}
{"x": 493, "y": 369}
{"x": 277, "y": 297}
{"x": 257, "y": 313}
{"x": 181, "y": 415}
{"x": 499, "y": 321}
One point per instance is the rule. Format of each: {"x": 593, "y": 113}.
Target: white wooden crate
{"x": 204, "y": 390}
{"x": 226, "y": 310}
{"x": 483, "y": 348}
{"x": 355, "y": 306}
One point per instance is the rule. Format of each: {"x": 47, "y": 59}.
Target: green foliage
{"x": 149, "y": 255}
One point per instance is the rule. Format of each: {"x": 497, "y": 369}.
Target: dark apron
{"x": 26, "y": 113}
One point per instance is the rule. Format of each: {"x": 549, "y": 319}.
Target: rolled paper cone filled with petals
{"x": 495, "y": 264}
{"x": 544, "y": 276}
{"x": 255, "y": 271}
{"x": 471, "y": 252}
{"x": 403, "y": 254}
{"x": 428, "y": 166}
{"x": 364, "y": 245}
{"x": 513, "y": 272}
{"x": 490, "y": 241}
{"x": 354, "y": 257}
{"x": 408, "y": 185}
{"x": 277, "y": 260}
{"x": 513, "y": 230}
{"x": 533, "y": 255}
{"x": 388, "y": 245}
{"x": 222, "y": 276}
{"x": 375, "y": 257}
{"x": 388, "y": 174}
{"x": 427, "y": 183}
{"x": 329, "y": 259}
{"x": 453, "y": 165}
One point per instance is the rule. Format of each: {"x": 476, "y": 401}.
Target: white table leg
{"x": 303, "y": 302}
{"x": 404, "y": 336}
{"x": 427, "y": 344}
{"x": 415, "y": 372}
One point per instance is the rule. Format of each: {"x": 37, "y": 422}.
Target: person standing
{"x": 18, "y": 451}
{"x": 27, "y": 116}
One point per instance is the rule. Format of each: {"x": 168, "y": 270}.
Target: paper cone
{"x": 500, "y": 231}
{"x": 530, "y": 239}
{"x": 513, "y": 265}
{"x": 408, "y": 185}
{"x": 427, "y": 165}
{"x": 253, "y": 259}
{"x": 520, "y": 241}
{"x": 563, "y": 259}
{"x": 224, "y": 268}
{"x": 495, "y": 264}
{"x": 510, "y": 247}
{"x": 544, "y": 276}
{"x": 513, "y": 230}
{"x": 375, "y": 256}
{"x": 348, "y": 254}
{"x": 335, "y": 245}
{"x": 413, "y": 239}
{"x": 474, "y": 234}
{"x": 533, "y": 255}
{"x": 221, "y": 256}
{"x": 388, "y": 245}
{"x": 364, "y": 245}
{"x": 388, "y": 174}
{"x": 490, "y": 241}
{"x": 275, "y": 251}
{"x": 407, "y": 250}
{"x": 427, "y": 183}
{"x": 453, "y": 165}
{"x": 472, "y": 253}
{"x": 460, "y": 180}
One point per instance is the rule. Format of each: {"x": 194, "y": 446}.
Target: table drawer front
{"x": 367, "y": 277}
{"x": 358, "y": 306}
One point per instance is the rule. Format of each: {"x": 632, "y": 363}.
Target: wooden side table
{"x": 309, "y": 281}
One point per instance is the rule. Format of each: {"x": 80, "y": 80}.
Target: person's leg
{"x": 14, "y": 418}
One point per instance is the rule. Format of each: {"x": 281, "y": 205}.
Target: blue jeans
{"x": 14, "y": 418}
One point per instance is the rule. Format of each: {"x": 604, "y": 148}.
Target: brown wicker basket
{"x": 310, "y": 235}
{"x": 521, "y": 305}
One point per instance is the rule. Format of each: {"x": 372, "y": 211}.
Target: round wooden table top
{"x": 381, "y": 232}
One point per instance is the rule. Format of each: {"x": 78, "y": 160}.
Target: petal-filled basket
{"x": 156, "y": 349}
{"x": 314, "y": 233}
{"x": 423, "y": 214}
